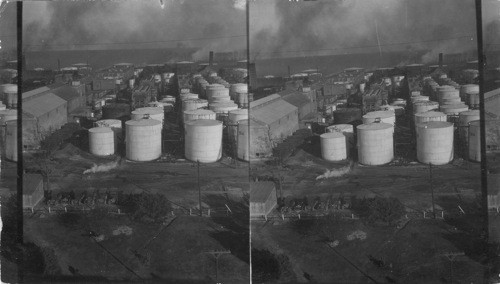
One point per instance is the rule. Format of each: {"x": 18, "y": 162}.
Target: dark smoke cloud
{"x": 8, "y": 27}
{"x": 67, "y": 25}
{"x": 348, "y": 26}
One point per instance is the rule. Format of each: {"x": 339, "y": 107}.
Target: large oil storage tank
{"x": 198, "y": 114}
{"x": 430, "y": 116}
{"x": 143, "y": 139}
{"x": 11, "y": 140}
{"x": 253, "y": 141}
{"x": 435, "y": 142}
{"x": 424, "y": 106}
{"x": 346, "y": 115}
{"x": 333, "y": 146}
{"x": 203, "y": 140}
{"x": 463, "y": 123}
{"x": 237, "y": 88}
{"x": 347, "y": 130}
{"x": 7, "y": 115}
{"x": 153, "y": 112}
{"x": 375, "y": 143}
{"x": 194, "y": 104}
{"x": 448, "y": 94}
{"x": 115, "y": 111}
{"x": 474, "y": 141}
{"x": 232, "y": 122}
{"x": 9, "y": 95}
{"x": 101, "y": 141}
{"x": 115, "y": 125}
{"x": 380, "y": 116}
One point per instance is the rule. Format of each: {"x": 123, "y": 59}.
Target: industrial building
{"x": 262, "y": 198}
{"x": 32, "y": 190}
{"x": 304, "y": 104}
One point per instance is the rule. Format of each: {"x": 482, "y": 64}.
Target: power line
{"x": 137, "y": 42}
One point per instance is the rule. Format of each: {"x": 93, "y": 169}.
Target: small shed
{"x": 262, "y": 198}
{"x": 32, "y": 190}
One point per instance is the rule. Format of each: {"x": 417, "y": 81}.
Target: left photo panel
{"x": 129, "y": 145}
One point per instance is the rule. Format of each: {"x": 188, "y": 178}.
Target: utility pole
{"x": 216, "y": 255}
{"x": 451, "y": 256}
{"x": 432, "y": 191}
{"x": 199, "y": 188}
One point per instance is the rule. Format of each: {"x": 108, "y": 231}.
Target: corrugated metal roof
{"x": 264, "y": 100}
{"x": 297, "y": 99}
{"x": 273, "y": 111}
{"x": 66, "y": 93}
{"x": 31, "y": 182}
{"x": 42, "y": 105}
{"x": 35, "y": 92}
{"x": 261, "y": 191}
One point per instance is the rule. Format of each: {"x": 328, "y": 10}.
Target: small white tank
{"x": 380, "y": 116}
{"x": 203, "y": 140}
{"x": 153, "y": 112}
{"x": 143, "y": 139}
{"x": 115, "y": 125}
{"x": 467, "y": 89}
{"x": 424, "y": 106}
{"x": 474, "y": 141}
{"x": 232, "y": 122}
{"x": 101, "y": 141}
{"x": 131, "y": 83}
{"x": 347, "y": 130}
{"x": 435, "y": 142}
{"x": 333, "y": 146}
{"x": 448, "y": 94}
{"x": 2, "y": 106}
{"x": 430, "y": 116}
{"x": 195, "y": 114}
{"x": 463, "y": 123}
{"x": 237, "y": 88}
{"x": 220, "y": 108}
{"x": 11, "y": 140}
{"x": 375, "y": 143}
{"x": 473, "y": 99}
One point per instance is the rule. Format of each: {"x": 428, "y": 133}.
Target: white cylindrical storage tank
{"x": 188, "y": 96}
{"x": 473, "y": 99}
{"x": 237, "y": 88}
{"x": 143, "y": 139}
{"x": 195, "y": 114}
{"x": 448, "y": 94}
{"x": 11, "y": 140}
{"x": 194, "y": 104}
{"x": 467, "y": 89}
{"x": 232, "y": 122}
{"x": 223, "y": 107}
{"x": 380, "y": 116}
{"x": 347, "y": 130}
{"x": 9, "y": 96}
{"x": 424, "y": 106}
{"x": 153, "y": 113}
{"x": 333, "y": 146}
{"x": 474, "y": 141}
{"x": 203, "y": 140}
{"x": 375, "y": 143}
{"x": 455, "y": 109}
{"x": 430, "y": 116}
{"x": 115, "y": 125}
{"x": 435, "y": 142}
{"x": 463, "y": 123}
{"x": 101, "y": 141}
{"x": 2, "y": 106}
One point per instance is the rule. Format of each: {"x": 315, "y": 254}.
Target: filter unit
{"x": 375, "y": 143}
{"x": 435, "y": 142}
{"x": 380, "y": 116}
{"x": 143, "y": 139}
{"x": 474, "y": 141}
{"x": 333, "y": 146}
{"x": 203, "y": 140}
{"x": 101, "y": 141}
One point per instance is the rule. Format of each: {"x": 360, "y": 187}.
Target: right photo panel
{"x": 364, "y": 141}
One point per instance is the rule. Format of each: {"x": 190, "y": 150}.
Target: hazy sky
{"x": 348, "y": 26}
{"x": 8, "y": 30}
{"x": 218, "y": 25}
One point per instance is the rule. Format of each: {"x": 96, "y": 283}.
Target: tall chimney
{"x": 211, "y": 58}
{"x": 440, "y": 60}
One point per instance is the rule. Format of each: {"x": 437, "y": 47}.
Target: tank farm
{"x": 195, "y": 117}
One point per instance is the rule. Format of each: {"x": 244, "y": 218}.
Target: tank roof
{"x": 143, "y": 122}
{"x": 435, "y": 124}
{"x": 100, "y": 130}
{"x": 199, "y": 111}
{"x": 204, "y": 122}
{"x": 375, "y": 126}
{"x": 430, "y": 114}
{"x": 379, "y": 114}
{"x": 148, "y": 110}
{"x": 470, "y": 112}
{"x": 332, "y": 135}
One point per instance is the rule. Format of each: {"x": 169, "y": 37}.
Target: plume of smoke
{"x": 101, "y": 168}
{"x": 336, "y": 173}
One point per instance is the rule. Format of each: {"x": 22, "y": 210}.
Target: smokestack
{"x": 211, "y": 58}
{"x": 440, "y": 60}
